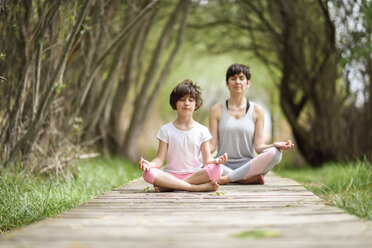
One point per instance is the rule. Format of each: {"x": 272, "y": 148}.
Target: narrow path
{"x": 288, "y": 214}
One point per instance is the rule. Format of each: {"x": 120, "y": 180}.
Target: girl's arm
{"x": 158, "y": 161}
{"x": 207, "y": 156}
{"x": 214, "y": 118}
{"x": 259, "y": 140}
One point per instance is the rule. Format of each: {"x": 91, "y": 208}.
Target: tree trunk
{"x": 32, "y": 130}
{"x": 304, "y": 38}
{"x": 144, "y": 99}
{"x": 126, "y": 82}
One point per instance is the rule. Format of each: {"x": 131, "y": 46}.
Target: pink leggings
{"x": 214, "y": 172}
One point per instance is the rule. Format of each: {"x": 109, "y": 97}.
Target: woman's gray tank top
{"x": 235, "y": 137}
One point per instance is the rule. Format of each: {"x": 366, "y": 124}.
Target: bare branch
{"x": 119, "y": 38}
{"x": 266, "y": 22}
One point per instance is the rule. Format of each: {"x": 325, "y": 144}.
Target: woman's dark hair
{"x": 237, "y": 69}
{"x": 186, "y": 88}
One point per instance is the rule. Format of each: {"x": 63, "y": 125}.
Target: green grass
{"x": 348, "y": 186}
{"x": 256, "y": 234}
{"x": 26, "y": 198}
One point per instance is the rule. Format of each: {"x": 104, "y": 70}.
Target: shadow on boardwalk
{"x": 131, "y": 217}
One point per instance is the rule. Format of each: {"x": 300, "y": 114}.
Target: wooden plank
{"x": 131, "y": 217}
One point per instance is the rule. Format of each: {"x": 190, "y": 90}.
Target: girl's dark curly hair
{"x": 186, "y": 88}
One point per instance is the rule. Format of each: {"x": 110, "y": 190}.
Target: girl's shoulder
{"x": 201, "y": 128}
{"x": 167, "y": 126}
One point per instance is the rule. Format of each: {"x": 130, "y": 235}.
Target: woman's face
{"x": 238, "y": 83}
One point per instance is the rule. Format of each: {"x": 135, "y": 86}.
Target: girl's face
{"x": 186, "y": 105}
{"x": 238, "y": 83}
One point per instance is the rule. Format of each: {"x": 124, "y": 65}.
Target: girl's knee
{"x": 214, "y": 171}
{"x": 150, "y": 175}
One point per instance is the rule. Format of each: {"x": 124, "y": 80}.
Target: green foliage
{"x": 59, "y": 87}
{"x": 359, "y": 28}
{"x": 78, "y": 124}
{"x": 26, "y": 198}
{"x": 348, "y": 186}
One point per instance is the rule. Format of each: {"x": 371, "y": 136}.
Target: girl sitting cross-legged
{"x": 183, "y": 142}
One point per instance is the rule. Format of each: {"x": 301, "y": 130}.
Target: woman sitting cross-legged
{"x": 237, "y": 127}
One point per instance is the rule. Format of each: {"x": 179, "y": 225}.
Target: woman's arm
{"x": 207, "y": 156}
{"x": 214, "y": 118}
{"x": 158, "y": 161}
{"x": 259, "y": 140}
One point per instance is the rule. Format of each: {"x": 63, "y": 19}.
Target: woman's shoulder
{"x": 258, "y": 110}
{"x": 256, "y": 106}
{"x": 217, "y": 106}
{"x": 216, "y": 109}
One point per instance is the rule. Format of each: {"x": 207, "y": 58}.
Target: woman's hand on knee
{"x": 284, "y": 145}
{"x": 221, "y": 159}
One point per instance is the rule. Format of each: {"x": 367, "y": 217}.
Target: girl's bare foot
{"x": 253, "y": 180}
{"x": 210, "y": 186}
{"x": 160, "y": 189}
{"x": 215, "y": 185}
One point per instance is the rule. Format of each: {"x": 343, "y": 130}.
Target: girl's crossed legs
{"x": 253, "y": 170}
{"x": 202, "y": 180}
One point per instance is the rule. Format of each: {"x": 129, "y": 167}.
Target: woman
{"x": 237, "y": 128}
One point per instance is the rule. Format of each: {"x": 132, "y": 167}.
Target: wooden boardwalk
{"x": 128, "y": 216}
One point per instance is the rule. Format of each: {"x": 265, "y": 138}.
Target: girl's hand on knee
{"x": 221, "y": 159}
{"x": 145, "y": 165}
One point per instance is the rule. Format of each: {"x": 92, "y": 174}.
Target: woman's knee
{"x": 150, "y": 175}
{"x": 276, "y": 155}
{"x": 214, "y": 171}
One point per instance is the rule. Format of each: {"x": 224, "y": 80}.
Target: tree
{"x": 299, "y": 39}
{"x": 72, "y": 74}
{"x": 146, "y": 96}
{"x": 43, "y": 58}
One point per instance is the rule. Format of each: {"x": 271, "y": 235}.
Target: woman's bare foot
{"x": 160, "y": 189}
{"x": 224, "y": 180}
{"x": 253, "y": 180}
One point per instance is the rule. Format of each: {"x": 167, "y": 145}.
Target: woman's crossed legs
{"x": 253, "y": 171}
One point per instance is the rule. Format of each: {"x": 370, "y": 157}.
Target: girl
{"x": 237, "y": 127}
{"x": 183, "y": 142}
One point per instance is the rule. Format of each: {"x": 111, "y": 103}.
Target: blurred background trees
{"x": 319, "y": 53}
{"x": 81, "y": 76}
